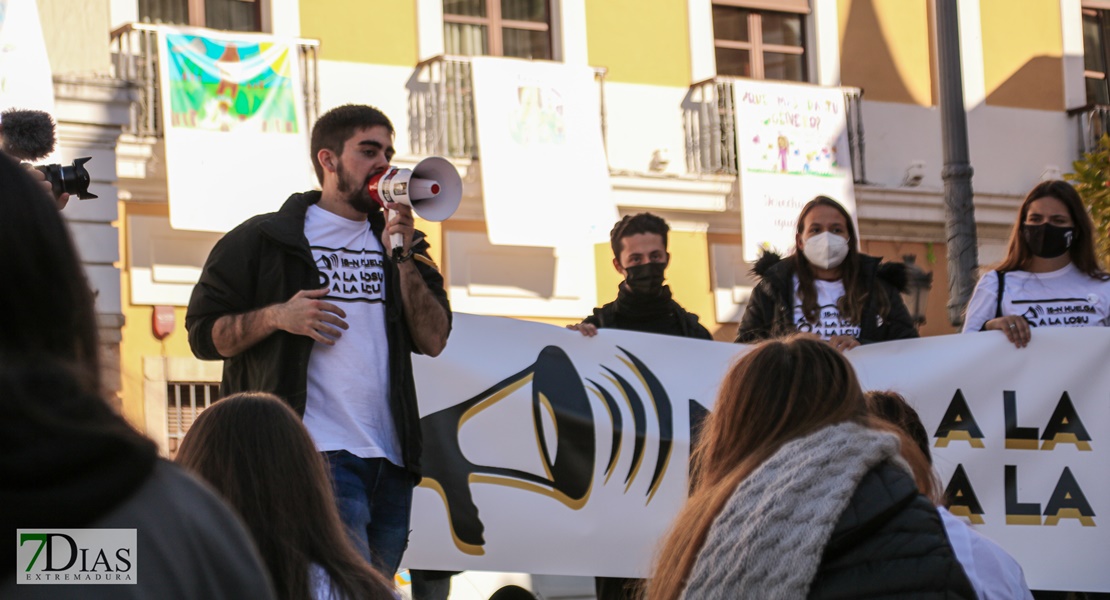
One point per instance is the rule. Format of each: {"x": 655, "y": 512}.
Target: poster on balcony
{"x": 234, "y": 121}
{"x": 547, "y": 452}
{"x": 792, "y": 143}
{"x": 25, "y": 78}
{"x": 545, "y": 177}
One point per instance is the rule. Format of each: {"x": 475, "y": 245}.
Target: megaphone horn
{"x": 432, "y": 188}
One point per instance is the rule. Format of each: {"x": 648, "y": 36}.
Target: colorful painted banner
{"x": 547, "y": 452}
{"x": 235, "y": 132}
{"x": 792, "y": 142}
{"x": 26, "y": 82}
{"x": 543, "y": 157}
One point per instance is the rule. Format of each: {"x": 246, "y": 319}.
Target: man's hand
{"x": 584, "y": 328}
{"x": 398, "y": 220}
{"x": 305, "y": 314}
{"x": 40, "y": 177}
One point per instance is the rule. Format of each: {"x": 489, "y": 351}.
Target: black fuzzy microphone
{"x": 26, "y": 134}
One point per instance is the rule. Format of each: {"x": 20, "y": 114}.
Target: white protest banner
{"x": 235, "y": 131}
{"x": 543, "y": 158}
{"x": 792, "y": 142}
{"x": 548, "y": 452}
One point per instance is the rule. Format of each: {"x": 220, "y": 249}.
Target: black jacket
{"x": 267, "y": 260}
{"x": 658, "y": 315}
{"x": 770, "y": 311}
{"x": 889, "y": 543}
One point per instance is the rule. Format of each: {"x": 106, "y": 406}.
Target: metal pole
{"x": 959, "y": 226}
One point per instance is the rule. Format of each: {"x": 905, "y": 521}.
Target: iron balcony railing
{"x": 134, "y": 49}
{"x": 441, "y": 108}
{"x": 709, "y": 120}
{"x": 1093, "y": 121}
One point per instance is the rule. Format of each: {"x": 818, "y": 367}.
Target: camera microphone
{"x": 28, "y": 135}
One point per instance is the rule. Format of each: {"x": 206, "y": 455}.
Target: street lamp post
{"x": 959, "y": 225}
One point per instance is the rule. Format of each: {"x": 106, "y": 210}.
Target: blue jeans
{"x": 374, "y": 497}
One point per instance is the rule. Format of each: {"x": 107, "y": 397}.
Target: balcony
{"x": 134, "y": 49}
{"x": 709, "y": 118}
{"x": 1093, "y": 121}
{"x": 441, "y": 108}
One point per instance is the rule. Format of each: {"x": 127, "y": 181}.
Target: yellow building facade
{"x": 1023, "y": 68}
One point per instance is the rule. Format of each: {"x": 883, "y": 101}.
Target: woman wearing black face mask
{"x": 1050, "y": 277}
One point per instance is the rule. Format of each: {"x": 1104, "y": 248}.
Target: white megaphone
{"x": 432, "y": 188}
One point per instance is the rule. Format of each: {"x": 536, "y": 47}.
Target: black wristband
{"x": 402, "y": 258}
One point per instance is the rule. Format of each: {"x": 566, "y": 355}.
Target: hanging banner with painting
{"x": 545, "y": 178}
{"x": 792, "y": 142}
{"x": 25, "y": 79}
{"x": 234, "y": 122}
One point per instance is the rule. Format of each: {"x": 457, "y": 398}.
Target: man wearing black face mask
{"x": 643, "y": 303}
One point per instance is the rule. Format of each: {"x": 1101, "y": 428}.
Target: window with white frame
{"x": 184, "y": 403}
{"x": 752, "y": 41}
{"x": 516, "y": 28}
{"x": 229, "y": 15}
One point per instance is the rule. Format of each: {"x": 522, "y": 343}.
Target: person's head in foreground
{"x": 800, "y": 492}
{"x": 46, "y": 307}
{"x": 254, "y": 450}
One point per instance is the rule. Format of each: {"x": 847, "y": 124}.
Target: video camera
{"x": 28, "y": 135}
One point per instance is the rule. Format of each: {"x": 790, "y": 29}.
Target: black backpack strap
{"x": 1001, "y": 288}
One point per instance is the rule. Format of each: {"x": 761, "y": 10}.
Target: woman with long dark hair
{"x": 800, "y": 493}
{"x": 1050, "y": 276}
{"x": 827, "y": 287}
{"x": 254, "y": 450}
{"x": 67, "y": 459}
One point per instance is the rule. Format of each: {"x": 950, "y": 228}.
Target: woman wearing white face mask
{"x": 1050, "y": 277}
{"x": 827, "y": 287}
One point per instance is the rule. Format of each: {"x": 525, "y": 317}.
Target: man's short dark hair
{"x": 631, "y": 225}
{"x": 336, "y": 126}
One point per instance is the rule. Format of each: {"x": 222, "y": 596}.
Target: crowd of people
{"x": 298, "y": 483}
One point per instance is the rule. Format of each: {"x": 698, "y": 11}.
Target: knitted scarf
{"x": 769, "y": 539}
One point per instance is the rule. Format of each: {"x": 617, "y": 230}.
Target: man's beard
{"x": 358, "y": 196}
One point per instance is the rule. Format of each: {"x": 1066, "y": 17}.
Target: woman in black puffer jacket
{"x": 827, "y": 287}
{"x": 801, "y": 493}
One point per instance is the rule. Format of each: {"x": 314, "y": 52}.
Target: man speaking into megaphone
{"x": 323, "y": 302}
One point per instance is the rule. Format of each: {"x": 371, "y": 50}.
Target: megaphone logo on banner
{"x": 558, "y": 392}
{"x": 432, "y": 188}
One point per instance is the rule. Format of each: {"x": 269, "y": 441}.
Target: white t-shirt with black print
{"x": 347, "y": 407}
{"x": 829, "y": 321}
{"x": 1063, "y": 298}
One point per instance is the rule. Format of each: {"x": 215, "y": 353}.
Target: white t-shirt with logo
{"x": 829, "y": 321}
{"x": 1063, "y": 298}
{"x": 348, "y": 384}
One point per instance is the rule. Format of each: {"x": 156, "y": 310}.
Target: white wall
{"x": 1010, "y": 148}
{"x": 381, "y": 86}
{"x": 641, "y": 119}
